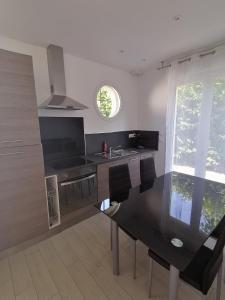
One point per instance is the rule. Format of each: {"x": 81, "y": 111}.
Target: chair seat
{"x": 194, "y": 271}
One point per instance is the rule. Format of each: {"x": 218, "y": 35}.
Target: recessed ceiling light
{"x": 121, "y": 51}
{"x": 177, "y": 18}
{"x": 136, "y": 73}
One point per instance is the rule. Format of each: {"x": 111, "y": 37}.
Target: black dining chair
{"x": 215, "y": 235}
{"x": 202, "y": 270}
{"x": 147, "y": 173}
{"x": 119, "y": 186}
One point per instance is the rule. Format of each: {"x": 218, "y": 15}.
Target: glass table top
{"x": 174, "y": 218}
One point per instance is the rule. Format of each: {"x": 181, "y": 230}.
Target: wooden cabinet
{"x": 103, "y": 174}
{"x": 134, "y": 168}
{"x": 23, "y": 207}
{"x": 19, "y": 124}
{"x": 147, "y": 155}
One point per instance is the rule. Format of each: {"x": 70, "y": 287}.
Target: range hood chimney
{"x": 58, "y": 98}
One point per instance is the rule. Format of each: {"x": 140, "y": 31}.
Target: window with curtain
{"x": 196, "y": 117}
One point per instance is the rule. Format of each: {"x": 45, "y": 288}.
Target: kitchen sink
{"x": 117, "y": 153}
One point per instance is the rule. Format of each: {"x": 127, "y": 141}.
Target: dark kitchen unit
{"x": 63, "y": 145}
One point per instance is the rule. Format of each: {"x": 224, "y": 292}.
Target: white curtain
{"x": 195, "y": 125}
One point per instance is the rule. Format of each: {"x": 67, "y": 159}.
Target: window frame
{"x": 95, "y": 101}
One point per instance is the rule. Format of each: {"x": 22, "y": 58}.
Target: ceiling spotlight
{"x": 177, "y": 18}
{"x": 136, "y": 73}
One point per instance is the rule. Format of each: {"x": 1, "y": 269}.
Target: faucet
{"x": 113, "y": 148}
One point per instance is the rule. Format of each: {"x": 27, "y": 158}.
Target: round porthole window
{"x": 108, "y": 101}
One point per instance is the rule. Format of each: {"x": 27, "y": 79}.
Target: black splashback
{"x": 62, "y": 137}
{"x": 94, "y": 141}
{"x": 146, "y": 139}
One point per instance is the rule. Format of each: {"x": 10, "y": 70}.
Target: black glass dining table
{"x": 173, "y": 218}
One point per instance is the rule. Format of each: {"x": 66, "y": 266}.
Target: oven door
{"x": 77, "y": 193}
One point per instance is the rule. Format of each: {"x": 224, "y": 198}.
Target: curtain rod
{"x": 163, "y": 66}
{"x": 212, "y": 52}
{"x": 184, "y": 60}
{"x": 201, "y": 54}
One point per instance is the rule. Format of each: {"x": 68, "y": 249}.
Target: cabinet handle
{"x": 13, "y": 153}
{"x": 77, "y": 180}
{"x": 11, "y": 141}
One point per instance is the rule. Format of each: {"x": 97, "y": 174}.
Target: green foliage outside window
{"x": 189, "y": 102}
{"x": 104, "y": 102}
{"x": 216, "y": 152}
{"x": 189, "y": 99}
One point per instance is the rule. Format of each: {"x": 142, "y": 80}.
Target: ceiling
{"x": 129, "y": 34}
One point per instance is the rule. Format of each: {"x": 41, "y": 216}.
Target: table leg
{"x": 115, "y": 248}
{"x": 174, "y": 278}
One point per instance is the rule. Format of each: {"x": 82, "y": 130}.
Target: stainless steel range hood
{"x": 58, "y": 98}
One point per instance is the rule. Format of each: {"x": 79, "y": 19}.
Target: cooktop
{"x": 66, "y": 163}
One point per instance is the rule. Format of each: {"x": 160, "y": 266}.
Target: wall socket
{"x": 132, "y": 135}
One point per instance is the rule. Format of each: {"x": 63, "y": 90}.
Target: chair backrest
{"x": 119, "y": 182}
{"x": 215, "y": 261}
{"x": 147, "y": 172}
{"x": 219, "y": 228}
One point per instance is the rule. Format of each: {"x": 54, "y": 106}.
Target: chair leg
{"x": 134, "y": 258}
{"x": 150, "y": 277}
{"x": 219, "y": 283}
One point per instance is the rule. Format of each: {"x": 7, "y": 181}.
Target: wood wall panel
{"x": 18, "y": 108}
{"x": 23, "y": 207}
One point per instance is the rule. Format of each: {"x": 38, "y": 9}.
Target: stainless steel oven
{"x": 78, "y": 190}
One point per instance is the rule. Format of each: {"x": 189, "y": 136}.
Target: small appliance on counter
{"x": 146, "y": 140}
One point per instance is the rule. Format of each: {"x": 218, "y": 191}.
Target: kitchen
{"x": 72, "y": 110}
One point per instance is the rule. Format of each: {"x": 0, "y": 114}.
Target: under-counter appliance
{"x": 64, "y": 155}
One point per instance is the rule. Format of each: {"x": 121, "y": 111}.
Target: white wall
{"x": 152, "y": 97}
{"x": 82, "y": 79}
{"x": 143, "y": 100}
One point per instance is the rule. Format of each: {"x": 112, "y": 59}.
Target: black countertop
{"x": 101, "y": 160}
{"x": 95, "y": 160}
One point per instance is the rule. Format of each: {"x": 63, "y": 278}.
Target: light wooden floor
{"x": 76, "y": 264}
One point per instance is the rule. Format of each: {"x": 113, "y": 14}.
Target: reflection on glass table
{"x": 181, "y": 198}
{"x": 173, "y": 219}
{"x": 109, "y": 208}
{"x": 213, "y": 205}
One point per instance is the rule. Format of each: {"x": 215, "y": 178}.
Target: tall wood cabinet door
{"x": 18, "y": 108}
{"x": 134, "y": 167}
{"x": 23, "y": 205}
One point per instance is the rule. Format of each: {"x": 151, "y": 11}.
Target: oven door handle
{"x": 77, "y": 180}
